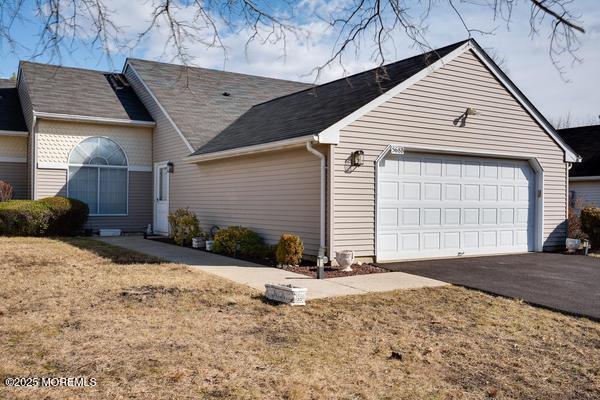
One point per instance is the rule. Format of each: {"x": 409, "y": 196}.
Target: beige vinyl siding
{"x": 15, "y": 173}
{"x": 588, "y": 192}
{"x": 271, "y": 193}
{"x": 51, "y": 182}
{"x": 13, "y": 147}
{"x": 425, "y": 115}
{"x": 56, "y": 139}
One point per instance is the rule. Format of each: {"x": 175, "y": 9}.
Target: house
{"x": 437, "y": 155}
{"x": 584, "y": 178}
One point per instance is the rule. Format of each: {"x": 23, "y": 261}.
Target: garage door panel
{"x": 431, "y": 206}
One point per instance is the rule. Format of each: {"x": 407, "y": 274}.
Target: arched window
{"x": 98, "y": 176}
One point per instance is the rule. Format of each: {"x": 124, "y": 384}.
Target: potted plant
{"x": 199, "y": 242}
{"x": 210, "y": 239}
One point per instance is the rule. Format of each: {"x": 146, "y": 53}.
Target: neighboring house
{"x": 436, "y": 155}
{"x": 584, "y": 178}
{"x": 13, "y": 140}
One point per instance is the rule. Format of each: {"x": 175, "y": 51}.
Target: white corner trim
{"x": 140, "y": 168}
{"x": 331, "y": 135}
{"x": 258, "y": 148}
{"x": 90, "y": 119}
{"x": 162, "y": 109}
{"x": 14, "y": 133}
{"x": 584, "y": 178}
{"x": 13, "y": 159}
{"x": 570, "y": 155}
{"x": 52, "y": 165}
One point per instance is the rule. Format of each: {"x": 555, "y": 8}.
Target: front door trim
{"x": 157, "y": 168}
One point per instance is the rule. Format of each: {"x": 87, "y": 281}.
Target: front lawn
{"x": 150, "y": 330}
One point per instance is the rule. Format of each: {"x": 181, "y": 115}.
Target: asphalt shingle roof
{"x": 312, "y": 110}
{"x": 75, "y": 91}
{"x": 585, "y": 141}
{"x": 194, "y": 97}
{"x": 11, "y": 115}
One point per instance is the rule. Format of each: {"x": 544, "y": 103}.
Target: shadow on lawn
{"x": 115, "y": 254}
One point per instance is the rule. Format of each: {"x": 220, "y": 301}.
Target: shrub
{"x": 67, "y": 215}
{"x": 238, "y": 241}
{"x": 289, "y": 250}
{"x": 6, "y": 191}
{"x": 184, "y": 226}
{"x": 24, "y": 218}
{"x": 590, "y": 221}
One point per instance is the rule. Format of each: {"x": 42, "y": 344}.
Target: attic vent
{"x": 117, "y": 81}
{"x": 226, "y": 94}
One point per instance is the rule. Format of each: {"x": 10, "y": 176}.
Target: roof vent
{"x": 226, "y": 94}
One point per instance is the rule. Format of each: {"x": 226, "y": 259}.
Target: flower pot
{"x": 572, "y": 245}
{"x": 289, "y": 294}
{"x": 345, "y": 259}
{"x": 209, "y": 245}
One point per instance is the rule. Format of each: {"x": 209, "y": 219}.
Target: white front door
{"x": 432, "y": 205}
{"x": 161, "y": 198}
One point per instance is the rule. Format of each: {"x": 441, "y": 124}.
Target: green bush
{"x": 24, "y": 218}
{"x": 590, "y": 221}
{"x": 239, "y": 241}
{"x": 184, "y": 226}
{"x": 67, "y": 215}
{"x": 289, "y": 250}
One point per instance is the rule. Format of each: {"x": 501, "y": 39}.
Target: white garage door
{"x": 432, "y": 205}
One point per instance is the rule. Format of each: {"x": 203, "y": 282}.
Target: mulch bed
{"x": 306, "y": 267}
{"x": 331, "y": 272}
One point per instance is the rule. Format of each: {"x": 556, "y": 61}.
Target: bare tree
{"x": 63, "y": 25}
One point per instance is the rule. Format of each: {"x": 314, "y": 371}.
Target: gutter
{"x": 254, "y": 149}
{"x": 584, "y": 178}
{"x": 96, "y": 120}
{"x": 321, "y": 259}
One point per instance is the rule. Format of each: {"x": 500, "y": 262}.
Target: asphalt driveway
{"x": 560, "y": 282}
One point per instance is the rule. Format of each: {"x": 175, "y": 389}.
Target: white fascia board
{"x": 584, "y": 178}
{"x": 331, "y": 135}
{"x": 258, "y": 148}
{"x": 14, "y": 133}
{"x": 570, "y": 155}
{"x": 162, "y": 109}
{"x": 90, "y": 119}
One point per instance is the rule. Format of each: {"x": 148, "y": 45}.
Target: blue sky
{"x": 526, "y": 59}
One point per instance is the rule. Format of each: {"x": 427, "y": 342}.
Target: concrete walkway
{"x": 255, "y": 275}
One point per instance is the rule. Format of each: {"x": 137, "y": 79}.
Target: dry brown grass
{"x": 147, "y": 330}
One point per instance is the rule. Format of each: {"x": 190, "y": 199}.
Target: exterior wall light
{"x": 471, "y": 111}
{"x": 170, "y": 167}
{"x": 358, "y": 158}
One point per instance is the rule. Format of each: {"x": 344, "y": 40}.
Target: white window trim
{"x": 533, "y": 161}
{"x": 125, "y": 167}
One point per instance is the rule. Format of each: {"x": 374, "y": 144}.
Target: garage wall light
{"x": 170, "y": 167}
{"x": 357, "y": 158}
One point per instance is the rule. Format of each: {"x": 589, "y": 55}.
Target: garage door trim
{"x": 533, "y": 162}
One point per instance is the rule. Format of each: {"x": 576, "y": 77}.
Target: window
{"x": 98, "y": 176}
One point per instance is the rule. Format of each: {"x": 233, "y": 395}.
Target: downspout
{"x": 321, "y": 259}
{"x": 33, "y": 156}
